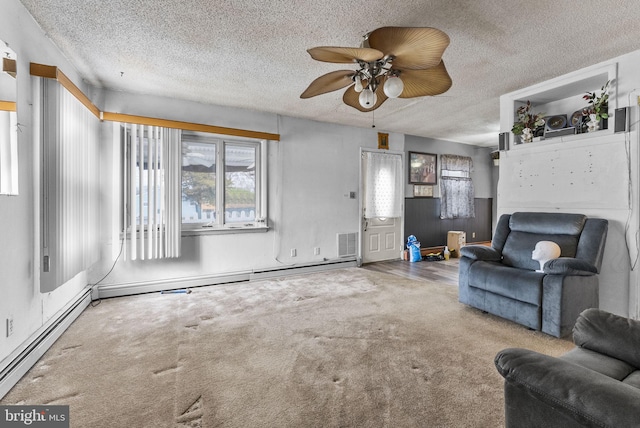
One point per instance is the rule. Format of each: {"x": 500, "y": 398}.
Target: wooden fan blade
{"x": 412, "y": 48}
{"x": 351, "y": 98}
{"x": 421, "y": 83}
{"x": 344, "y": 55}
{"x": 329, "y": 82}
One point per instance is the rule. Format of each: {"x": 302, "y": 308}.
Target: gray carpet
{"x": 344, "y": 348}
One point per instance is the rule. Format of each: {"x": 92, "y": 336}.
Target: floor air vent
{"x": 347, "y": 244}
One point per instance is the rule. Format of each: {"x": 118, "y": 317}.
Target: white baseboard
{"x": 127, "y": 289}
{"x": 23, "y": 358}
{"x": 304, "y": 268}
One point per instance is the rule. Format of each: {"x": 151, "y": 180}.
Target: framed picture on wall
{"x": 423, "y": 168}
{"x": 383, "y": 141}
{"x": 422, "y": 191}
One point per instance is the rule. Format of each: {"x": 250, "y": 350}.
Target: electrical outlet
{"x": 294, "y": 252}
{"x": 9, "y": 326}
{"x": 316, "y": 251}
{"x": 473, "y": 234}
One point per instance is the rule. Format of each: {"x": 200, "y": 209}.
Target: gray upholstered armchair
{"x": 597, "y": 384}
{"x": 502, "y": 279}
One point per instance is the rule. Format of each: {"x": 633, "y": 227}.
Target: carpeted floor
{"x": 343, "y": 348}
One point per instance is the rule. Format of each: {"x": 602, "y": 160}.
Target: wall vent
{"x": 347, "y": 244}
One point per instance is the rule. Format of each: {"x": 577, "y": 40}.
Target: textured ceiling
{"x": 252, "y": 53}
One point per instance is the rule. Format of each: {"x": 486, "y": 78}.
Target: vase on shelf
{"x": 593, "y": 124}
{"x": 527, "y": 135}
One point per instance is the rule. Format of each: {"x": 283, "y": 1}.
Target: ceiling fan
{"x": 393, "y": 62}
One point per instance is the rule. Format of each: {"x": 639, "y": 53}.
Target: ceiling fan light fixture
{"x": 393, "y": 87}
{"x": 367, "y": 98}
{"x": 405, "y": 61}
{"x": 358, "y": 87}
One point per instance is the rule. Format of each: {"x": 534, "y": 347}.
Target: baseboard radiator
{"x": 127, "y": 289}
{"x": 303, "y": 268}
{"x": 23, "y": 358}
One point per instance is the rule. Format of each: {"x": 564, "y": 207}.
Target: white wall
{"x": 482, "y": 164}
{"x": 311, "y": 171}
{"x": 593, "y": 174}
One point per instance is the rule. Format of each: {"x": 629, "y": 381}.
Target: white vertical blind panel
{"x": 5, "y": 151}
{"x": 152, "y": 169}
{"x": 162, "y": 196}
{"x": 126, "y": 180}
{"x": 8, "y": 153}
{"x": 70, "y": 186}
{"x": 153, "y": 196}
{"x": 173, "y": 192}
{"x": 132, "y": 203}
{"x": 142, "y": 191}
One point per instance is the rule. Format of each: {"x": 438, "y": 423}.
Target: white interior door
{"x": 381, "y": 237}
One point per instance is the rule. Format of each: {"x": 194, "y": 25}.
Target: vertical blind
{"x": 70, "y": 186}
{"x": 152, "y": 215}
{"x": 383, "y": 191}
{"x": 8, "y": 152}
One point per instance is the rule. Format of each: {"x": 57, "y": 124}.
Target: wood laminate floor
{"x": 444, "y": 270}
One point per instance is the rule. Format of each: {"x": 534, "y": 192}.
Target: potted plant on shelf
{"x": 598, "y": 107}
{"x": 526, "y": 122}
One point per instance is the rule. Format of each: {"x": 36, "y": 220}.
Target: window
{"x": 222, "y": 182}
{"x": 456, "y": 187}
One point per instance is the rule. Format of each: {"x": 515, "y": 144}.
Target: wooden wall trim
{"x": 189, "y": 126}
{"x": 41, "y": 70}
{"x": 10, "y": 67}
{"x": 53, "y": 72}
{"x": 7, "y": 106}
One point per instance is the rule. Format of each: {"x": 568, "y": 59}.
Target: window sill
{"x": 224, "y": 230}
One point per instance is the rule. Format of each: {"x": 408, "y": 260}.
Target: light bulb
{"x": 367, "y": 98}
{"x": 393, "y": 87}
{"x": 358, "y": 86}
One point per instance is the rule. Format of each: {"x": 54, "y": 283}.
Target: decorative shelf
{"x": 560, "y": 96}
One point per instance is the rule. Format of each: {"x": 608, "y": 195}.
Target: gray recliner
{"x": 596, "y": 384}
{"x": 502, "y": 279}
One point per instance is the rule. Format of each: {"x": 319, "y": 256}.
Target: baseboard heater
{"x": 128, "y": 289}
{"x": 25, "y": 357}
{"x": 304, "y": 268}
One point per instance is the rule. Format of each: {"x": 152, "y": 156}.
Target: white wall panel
{"x": 586, "y": 174}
